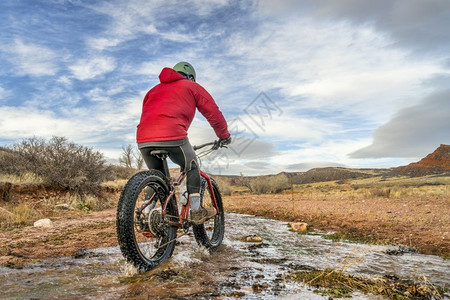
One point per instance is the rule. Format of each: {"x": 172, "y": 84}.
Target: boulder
{"x": 299, "y": 227}
{"x": 43, "y": 223}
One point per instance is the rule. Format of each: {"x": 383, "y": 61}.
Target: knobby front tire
{"x": 145, "y": 242}
{"x": 210, "y": 234}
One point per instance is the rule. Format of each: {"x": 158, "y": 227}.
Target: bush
{"x": 11, "y": 163}
{"x": 269, "y": 184}
{"x": 120, "y": 172}
{"x": 224, "y": 185}
{"x": 383, "y": 192}
{"x": 60, "y": 163}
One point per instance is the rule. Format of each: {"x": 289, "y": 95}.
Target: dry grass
{"x": 335, "y": 283}
{"x": 19, "y": 214}
{"x": 116, "y": 184}
{"x": 26, "y": 178}
{"x": 224, "y": 186}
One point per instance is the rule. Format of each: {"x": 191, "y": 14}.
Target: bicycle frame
{"x": 184, "y": 215}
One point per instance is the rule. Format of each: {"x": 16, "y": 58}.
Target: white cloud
{"x": 413, "y": 131}
{"x": 99, "y": 124}
{"x": 101, "y": 95}
{"x": 85, "y": 69}
{"x": 131, "y": 19}
{"x": 334, "y": 66}
{"x": 103, "y": 43}
{"x": 414, "y": 24}
{"x": 64, "y": 80}
{"x": 31, "y": 59}
{"x": 152, "y": 68}
{"x": 97, "y": 95}
{"x": 26, "y": 122}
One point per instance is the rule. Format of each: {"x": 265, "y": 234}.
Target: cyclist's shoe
{"x": 199, "y": 216}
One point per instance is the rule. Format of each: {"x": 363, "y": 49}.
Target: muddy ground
{"x": 420, "y": 223}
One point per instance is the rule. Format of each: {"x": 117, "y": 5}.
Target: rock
{"x": 252, "y": 239}
{"x": 437, "y": 162}
{"x": 43, "y": 223}
{"x": 299, "y": 227}
{"x": 324, "y": 222}
{"x": 62, "y": 206}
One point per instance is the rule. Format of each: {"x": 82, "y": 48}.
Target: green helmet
{"x": 185, "y": 68}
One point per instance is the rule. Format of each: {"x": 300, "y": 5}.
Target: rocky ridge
{"x": 437, "y": 162}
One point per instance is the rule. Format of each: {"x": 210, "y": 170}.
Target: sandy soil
{"x": 421, "y": 223}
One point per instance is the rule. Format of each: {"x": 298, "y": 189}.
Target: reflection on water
{"x": 237, "y": 269}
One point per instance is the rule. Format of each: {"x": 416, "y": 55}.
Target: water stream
{"x": 237, "y": 269}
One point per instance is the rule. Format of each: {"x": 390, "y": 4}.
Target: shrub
{"x": 60, "y": 163}
{"x": 120, "y": 172}
{"x": 11, "y": 162}
{"x": 224, "y": 185}
{"x": 384, "y": 192}
{"x": 269, "y": 184}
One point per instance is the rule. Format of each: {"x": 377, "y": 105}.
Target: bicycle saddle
{"x": 159, "y": 152}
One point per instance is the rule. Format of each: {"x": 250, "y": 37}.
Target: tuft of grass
{"x": 117, "y": 183}
{"x": 383, "y": 192}
{"x": 91, "y": 203}
{"x": 25, "y": 178}
{"x": 333, "y": 283}
{"x": 18, "y": 215}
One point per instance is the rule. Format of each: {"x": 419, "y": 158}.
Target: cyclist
{"x": 167, "y": 112}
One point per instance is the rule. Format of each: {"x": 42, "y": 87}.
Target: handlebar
{"x": 215, "y": 145}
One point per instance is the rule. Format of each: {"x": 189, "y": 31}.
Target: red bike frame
{"x": 184, "y": 215}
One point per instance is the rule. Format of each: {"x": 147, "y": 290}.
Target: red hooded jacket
{"x": 169, "y": 108}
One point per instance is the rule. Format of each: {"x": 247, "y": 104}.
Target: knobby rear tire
{"x": 211, "y": 240}
{"x": 128, "y": 234}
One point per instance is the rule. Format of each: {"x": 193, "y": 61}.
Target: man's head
{"x": 185, "y": 69}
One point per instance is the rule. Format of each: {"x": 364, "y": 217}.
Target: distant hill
{"x": 315, "y": 175}
{"x": 437, "y": 162}
{"x": 334, "y": 173}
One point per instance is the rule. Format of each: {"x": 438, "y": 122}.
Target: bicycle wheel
{"x": 144, "y": 238}
{"x": 210, "y": 234}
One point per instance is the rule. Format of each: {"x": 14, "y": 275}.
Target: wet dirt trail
{"x": 236, "y": 269}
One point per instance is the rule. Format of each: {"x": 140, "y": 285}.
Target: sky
{"x": 302, "y": 84}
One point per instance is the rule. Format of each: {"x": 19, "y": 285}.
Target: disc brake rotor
{"x": 156, "y": 222}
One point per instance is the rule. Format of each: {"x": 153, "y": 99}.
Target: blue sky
{"x": 302, "y": 83}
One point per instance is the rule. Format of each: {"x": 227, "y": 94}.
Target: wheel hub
{"x": 156, "y": 223}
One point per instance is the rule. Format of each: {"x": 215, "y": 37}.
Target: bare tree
{"x": 126, "y": 159}
{"x": 139, "y": 160}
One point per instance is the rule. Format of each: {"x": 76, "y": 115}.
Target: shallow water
{"x": 236, "y": 269}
